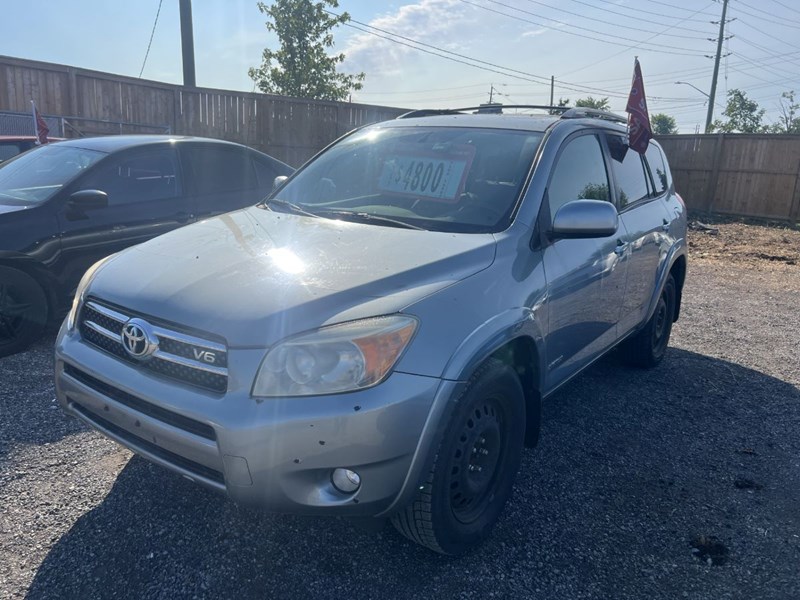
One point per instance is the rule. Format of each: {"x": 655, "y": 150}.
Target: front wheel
{"x": 23, "y": 310}
{"x": 475, "y": 466}
{"x": 647, "y": 348}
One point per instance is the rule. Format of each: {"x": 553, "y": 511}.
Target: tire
{"x": 475, "y": 465}
{"x": 23, "y": 310}
{"x": 647, "y": 348}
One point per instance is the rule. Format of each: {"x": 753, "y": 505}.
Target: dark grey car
{"x": 375, "y": 340}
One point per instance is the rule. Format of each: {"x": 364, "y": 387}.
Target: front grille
{"x": 179, "y": 355}
{"x": 134, "y": 440}
{"x": 142, "y": 406}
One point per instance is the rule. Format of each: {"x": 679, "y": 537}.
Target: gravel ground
{"x": 633, "y": 469}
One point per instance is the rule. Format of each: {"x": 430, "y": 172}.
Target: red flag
{"x": 39, "y": 126}
{"x": 639, "y": 131}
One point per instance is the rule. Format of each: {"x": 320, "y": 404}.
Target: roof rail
{"x": 429, "y": 112}
{"x": 581, "y": 112}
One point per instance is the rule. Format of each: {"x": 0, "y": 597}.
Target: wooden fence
{"x": 747, "y": 175}
{"x": 95, "y": 103}
{"x": 751, "y": 175}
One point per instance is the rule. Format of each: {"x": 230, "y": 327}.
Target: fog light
{"x": 345, "y": 480}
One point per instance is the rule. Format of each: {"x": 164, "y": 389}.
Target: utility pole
{"x": 187, "y": 43}
{"x": 491, "y": 93}
{"x": 720, "y": 38}
{"x": 552, "y": 86}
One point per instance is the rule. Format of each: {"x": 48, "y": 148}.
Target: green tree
{"x": 743, "y": 114}
{"x": 562, "y": 102}
{"x": 589, "y": 102}
{"x": 302, "y": 67}
{"x": 663, "y": 124}
{"x": 789, "y": 121}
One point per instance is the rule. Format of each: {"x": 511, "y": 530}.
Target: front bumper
{"x": 275, "y": 453}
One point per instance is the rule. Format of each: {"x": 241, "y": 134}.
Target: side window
{"x": 658, "y": 169}
{"x": 579, "y": 174}
{"x": 628, "y": 172}
{"x": 141, "y": 177}
{"x": 220, "y": 169}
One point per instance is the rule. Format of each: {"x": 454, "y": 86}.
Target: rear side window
{"x": 141, "y": 177}
{"x": 579, "y": 174}
{"x": 658, "y": 169}
{"x": 628, "y": 170}
{"x": 9, "y": 149}
{"x": 220, "y": 169}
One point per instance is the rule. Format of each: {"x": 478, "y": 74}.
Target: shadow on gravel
{"x": 631, "y": 468}
{"x": 28, "y": 413}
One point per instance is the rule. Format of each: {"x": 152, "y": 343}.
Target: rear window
{"x": 629, "y": 173}
{"x": 658, "y": 169}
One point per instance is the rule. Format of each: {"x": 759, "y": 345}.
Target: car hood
{"x": 255, "y": 276}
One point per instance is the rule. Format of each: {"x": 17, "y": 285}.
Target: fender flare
{"x": 476, "y": 347}
{"x": 677, "y": 250}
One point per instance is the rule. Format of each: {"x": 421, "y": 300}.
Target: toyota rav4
{"x": 376, "y": 338}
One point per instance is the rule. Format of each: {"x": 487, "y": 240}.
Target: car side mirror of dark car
{"x": 88, "y": 199}
{"x": 279, "y": 181}
{"x": 585, "y": 219}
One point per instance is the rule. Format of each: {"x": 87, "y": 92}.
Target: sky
{"x": 448, "y": 53}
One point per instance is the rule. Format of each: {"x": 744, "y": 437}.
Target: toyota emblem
{"x": 138, "y": 339}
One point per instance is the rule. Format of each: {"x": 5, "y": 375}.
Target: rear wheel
{"x": 647, "y": 348}
{"x": 475, "y": 466}
{"x": 23, "y": 310}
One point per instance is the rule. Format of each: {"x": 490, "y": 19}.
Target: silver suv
{"x": 375, "y": 339}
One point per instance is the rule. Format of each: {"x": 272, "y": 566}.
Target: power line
{"x": 761, "y": 10}
{"x": 597, "y": 62}
{"x": 527, "y": 77}
{"x": 755, "y": 16}
{"x": 688, "y": 51}
{"x": 596, "y": 20}
{"x": 152, "y": 33}
{"x": 622, "y": 14}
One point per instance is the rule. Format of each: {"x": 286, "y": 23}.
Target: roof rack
{"x": 485, "y": 108}
{"x": 566, "y": 112}
{"x": 581, "y": 112}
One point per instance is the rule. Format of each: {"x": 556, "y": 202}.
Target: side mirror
{"x": 88, "y": 200}
{"x": 585, "y": 219}
{"x": 279, "y": 181}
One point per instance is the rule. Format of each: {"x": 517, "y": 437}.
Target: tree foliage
{"x": 590, "y": 102}
{"x": 743, "y": 115}
{"x": 302, "y": 66}
{"x": 789, "y": 120}
{"x": 663, "y": 124}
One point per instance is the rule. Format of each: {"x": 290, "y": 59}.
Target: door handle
{"x": 665, "y": 226}
{"x": 621, "y": 248}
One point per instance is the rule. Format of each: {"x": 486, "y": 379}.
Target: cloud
{"x": 442, "y": 23}
{"x": 534, "y": 32}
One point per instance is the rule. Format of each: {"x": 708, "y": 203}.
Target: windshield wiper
{"x": 289, "y": 206}
{"x": 367, "y": 218}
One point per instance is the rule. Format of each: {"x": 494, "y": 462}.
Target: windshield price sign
{"x": 428, "y": 174}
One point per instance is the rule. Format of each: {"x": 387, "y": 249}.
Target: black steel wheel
{"x": 23, "y": 310}
{"x": 648, "y": 347}
{"x": 475, "y": 466}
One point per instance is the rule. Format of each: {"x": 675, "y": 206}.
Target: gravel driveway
{"x": 633, "y": 468}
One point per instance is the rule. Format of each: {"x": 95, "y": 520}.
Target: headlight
{"x": 72, "y": 317}
{"x": 339, "y": 358}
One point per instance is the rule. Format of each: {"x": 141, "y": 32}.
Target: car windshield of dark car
{"x": 33, "y": 177}
{"x": 454, "y": 179}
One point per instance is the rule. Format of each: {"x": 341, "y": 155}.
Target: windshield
{"x": 34, "y": 177}
{"x": 439, "y": 178}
